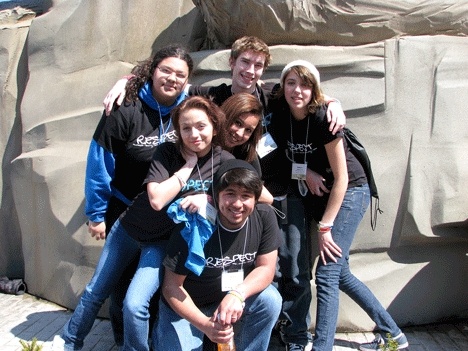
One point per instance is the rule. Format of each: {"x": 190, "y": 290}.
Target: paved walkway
{"x": 25, "y": 316}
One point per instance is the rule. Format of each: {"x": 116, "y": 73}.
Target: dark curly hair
{"x": 143, "y": 72}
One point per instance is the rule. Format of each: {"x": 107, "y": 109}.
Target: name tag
{"x": 299, "y": 171}
{"x": 231, "y": 279}
{"x": 208, "y": 212}
{"x": 265, "y": 145}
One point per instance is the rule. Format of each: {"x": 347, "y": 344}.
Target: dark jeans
{"x": 293, "y": 273}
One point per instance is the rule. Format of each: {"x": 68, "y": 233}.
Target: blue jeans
{"x": 115, "y": 208}
{"x": 251, "y": 333}
{"x": 142, "y": 288}
{"x": 293, "y": 273}
{"x": 118, "y": 251}
{"x": 116, "y": 301}
{"x": 333, "y": 277}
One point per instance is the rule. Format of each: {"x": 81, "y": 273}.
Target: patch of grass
{"x": 30, "y": 346}
{"x": 390, "y": 345}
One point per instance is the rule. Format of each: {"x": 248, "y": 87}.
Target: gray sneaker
{"x": 381, "y": 341}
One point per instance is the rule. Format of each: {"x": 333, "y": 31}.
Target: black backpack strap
{"x": 374, "y": 211}
{"x": 360, "y": 153}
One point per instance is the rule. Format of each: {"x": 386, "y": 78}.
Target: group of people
{"x": 208, "y": 195}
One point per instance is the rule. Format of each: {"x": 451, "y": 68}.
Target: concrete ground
{"x": 25, "y": 317}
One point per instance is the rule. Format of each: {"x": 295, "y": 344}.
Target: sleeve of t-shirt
{"x": 176, "y": 254}
{"x": 322, "y": 127}
{"x": 271, "y": 236}
{"x": 108, "y": 140}
{"x": 163, "y": 161}
{"x": 256, "y": 164}
{"x": 112, "y": 131}
{"x": 218, "y": 94}
{"x": 198, "y": 90}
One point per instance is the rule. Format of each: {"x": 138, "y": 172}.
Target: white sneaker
{"x": 58, "y": 344}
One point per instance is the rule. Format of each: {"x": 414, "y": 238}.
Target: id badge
{"x": 265, "y": 145}
{"x": 299, "y": 171}
{"x": 231, "y": 279}
{"x": 208, "y": 212}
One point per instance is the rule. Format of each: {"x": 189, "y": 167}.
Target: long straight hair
{"x": 236, "y": 106}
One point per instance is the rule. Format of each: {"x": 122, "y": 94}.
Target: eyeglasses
{"x": 180, "y": 77}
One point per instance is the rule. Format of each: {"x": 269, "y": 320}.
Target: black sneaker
{"x": 294, "y": 347}
{"x": 280, "y": 323}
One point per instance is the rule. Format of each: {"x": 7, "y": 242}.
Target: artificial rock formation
{"x": 399, "y": 69}
{"x": 330, "y": 22}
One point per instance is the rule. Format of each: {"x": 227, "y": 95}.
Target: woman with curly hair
{"x": 123, "y": 146}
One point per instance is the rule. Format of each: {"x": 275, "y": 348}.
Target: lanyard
{"x": 162, "y": 132}
{"x": 199, "y": 173}
{"x": 246, "y": 224}
{"x": 306, "y": 140}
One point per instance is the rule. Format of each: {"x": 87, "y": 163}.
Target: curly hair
{"x": 236, "y": 106}
{"x": 143, "y": 72}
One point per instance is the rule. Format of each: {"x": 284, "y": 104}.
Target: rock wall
{"x": 403, "y": 95}
{"x": 330, "y": 22}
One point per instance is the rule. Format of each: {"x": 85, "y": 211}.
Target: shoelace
{"x": 295, "y": 347}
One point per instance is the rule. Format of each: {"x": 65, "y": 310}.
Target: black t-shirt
{"x": 131, "y": 133}
{"x": 263, "y": 236}
{"x": 222, "y": 92}
{"x": 305, "y": 140}
{"x": 145, "y": 224}
{"x": 272, "y": 175}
